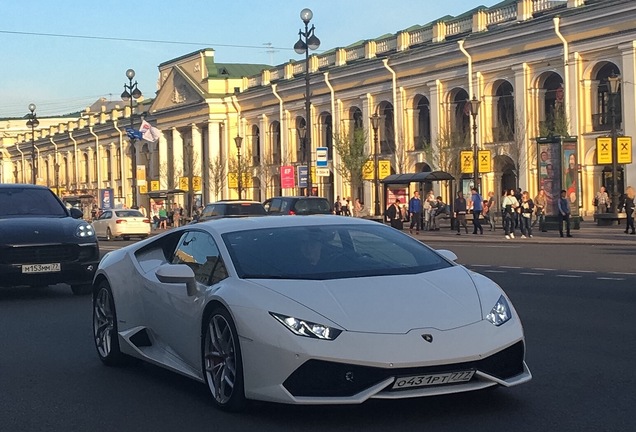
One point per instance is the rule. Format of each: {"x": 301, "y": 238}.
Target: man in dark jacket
{"x": 460, "y": 212}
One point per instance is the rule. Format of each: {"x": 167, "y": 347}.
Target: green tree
{"x": 350, "y": 146}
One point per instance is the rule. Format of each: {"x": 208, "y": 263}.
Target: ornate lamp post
{"x": 474, "y": 111}
{"x": 375, "y": 123}
{"x": 239, "y": 140}
{"x": 302, "y": 133}
{"x": 132, "y": 93}
{"x": 614, "y": 83}
{"x": 310, "y": 42}
{"x": 33, "y": 122}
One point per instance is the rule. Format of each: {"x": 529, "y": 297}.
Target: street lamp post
{"x": 239, "y": 140}
{"x": 375, "y": 123}
{"x": 302, "y": 133}
{"x": 132, "y": 93}
{"x": 613, "y": 86}
{"x": 474, "y": 111}
{"x": 33, "y": 122}
{"x": 311, "y": 42}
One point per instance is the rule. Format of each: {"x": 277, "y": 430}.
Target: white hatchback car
{"x": 123, "y": 223}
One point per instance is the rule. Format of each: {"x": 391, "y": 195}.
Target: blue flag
{"x": 134, "y": 134}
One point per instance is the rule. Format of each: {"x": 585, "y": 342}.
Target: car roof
{"x": 22, "y": 186}
{"x": 230, "y": 201}
{"x": 239, "y": 224}
{"x": 298, "y": 197}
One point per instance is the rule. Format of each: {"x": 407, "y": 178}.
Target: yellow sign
{"x": 384, "y": 169}
{"x": 154, "y": 185}
{"x": 603, "y": 150}
{"x": 368, "y": 170}
{"x": 232, "y": 180}
{"x": 484, "y": 161}
{"x": 143, "y": 189}
{"x": 141, "y": 174}
{"x": 183, "y": 184}
{"x": 196, "y": 184}
{"x": 624, "y": 150}
{"x": 466, "y": 162}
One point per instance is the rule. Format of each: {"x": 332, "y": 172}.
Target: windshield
{"x": 16, "y": 201}
{"x": 328, "y": 252}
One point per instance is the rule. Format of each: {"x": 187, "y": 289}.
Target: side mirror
{"x": 76, "y": 213}
{"x": 177, "y": 274}
{"x": 449, "y": 255}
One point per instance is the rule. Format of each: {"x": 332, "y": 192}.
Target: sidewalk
{"x": 588, "y": 234}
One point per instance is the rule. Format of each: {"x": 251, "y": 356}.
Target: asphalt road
{"x": 580, "y": 339}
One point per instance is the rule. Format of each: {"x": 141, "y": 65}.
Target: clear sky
{"x": 63, "y": 74}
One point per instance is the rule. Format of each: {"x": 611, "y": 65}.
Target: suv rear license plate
{"x": 433, "y": 379}
{"x": 41, "y": 268}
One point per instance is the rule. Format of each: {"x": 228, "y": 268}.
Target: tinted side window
{"x": 275, "y": 205}
{"x": 198, "y": 250}
{"x": 209, "y": 211}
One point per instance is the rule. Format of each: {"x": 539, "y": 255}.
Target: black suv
{"x": 42, "y": 242}
{"x": 231, "y": 208}
{"x": 297, "y": 205}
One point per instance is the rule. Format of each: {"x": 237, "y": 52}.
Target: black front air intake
{"x": 317, "y": 378}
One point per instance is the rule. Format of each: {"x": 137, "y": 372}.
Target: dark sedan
{"x": 42, "y": 242}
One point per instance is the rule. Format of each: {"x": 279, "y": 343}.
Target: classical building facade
{"x": 538, "y": 67}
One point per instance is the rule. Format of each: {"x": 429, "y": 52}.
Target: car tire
{"x": 109, "y": 234}
{"x": 105, "y": 334}
{"x": 222, "y": 361}
{"x": 81, "y": 289}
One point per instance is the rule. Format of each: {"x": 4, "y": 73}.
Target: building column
{"x": 198, "y": 162}
{"x": 367, "y": 110}
{"x": 213, "y": 151}
{"x": 177, "y": 158}
{"x": 162, "y": 155}
{"x": 628, "y": 99}
{"x": 521, "y": 132}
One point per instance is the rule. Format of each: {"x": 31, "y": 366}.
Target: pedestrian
{"x": 358, "y": 208}
{"x": 509, "y": 205}
{"x": 478, "y": 207}
{"x": 540, "y": 204}
{"x": 460, "y": 208}
{"x": 629, "y": 209}
{"x": 344, "y": 207}
{"x": 527, "y": 208}
{"x": 564, "y": 213}
{"x": 602, "y": 201}
{"x": 441, "y": 212}
{"x": 415, "y": 213}
{"x": 394, "y": 215}
{"x": 489, "y": 210}
{"x": 163, "y": 217}
{"x": 337, "y": 206}
{"x": 517, "y": 214}
{"x": 428, "y": 209}
{"x": 176, "y": 215}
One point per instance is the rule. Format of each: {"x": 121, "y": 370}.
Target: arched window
{"x": 461, "y": 125}
{"x": 602, "y": 120}
{"x": 356, "y": 116}
{"x": 85, "y": 165}
{"x": 275, "y": 147}
{"x": 422, "y": 124}
{"x": 387, "y": 136}
{"x": 256, "y": 145}
{"x": 504, "y": 130}
{"x": 301, "y": 130}
{"x": 118, "y": 162}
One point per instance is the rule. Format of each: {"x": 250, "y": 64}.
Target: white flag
{"x": 148, "y": 132}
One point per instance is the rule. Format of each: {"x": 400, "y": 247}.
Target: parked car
{"x": 297, "y": 205}
{"x": 42, "y": 242}
{"x": 306, "y": 310}
{"x": 122, "y": 223}
{"x": 231, "y": 208}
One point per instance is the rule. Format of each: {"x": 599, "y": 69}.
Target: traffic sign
{"x": 322, "y": 154}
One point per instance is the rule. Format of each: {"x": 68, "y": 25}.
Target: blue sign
{"x": 322, "y": 155}
{"x": 302, "y": 176}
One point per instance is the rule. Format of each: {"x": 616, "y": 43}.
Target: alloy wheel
{"x": 103, "y": 322}
{"x": 220, "y": 359}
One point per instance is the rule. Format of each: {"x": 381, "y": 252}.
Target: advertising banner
{"x": 106, "y": 199}
{"x": 287, "y": 178}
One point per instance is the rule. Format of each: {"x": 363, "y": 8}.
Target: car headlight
{"x": 85, "y": 231}
{"x": 307, "y": 328}
{"x": 500, "y": 312}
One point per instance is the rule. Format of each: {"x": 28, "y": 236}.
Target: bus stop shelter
{"x": 421, "y": 178}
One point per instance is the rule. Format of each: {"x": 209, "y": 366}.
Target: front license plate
{"x": 433, "y": 379}
{"x": 41, "y": 268}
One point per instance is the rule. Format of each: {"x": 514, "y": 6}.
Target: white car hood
{"x": 441, "y": 299}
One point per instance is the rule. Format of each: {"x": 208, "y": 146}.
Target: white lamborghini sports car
{"x": 311, "y": 310}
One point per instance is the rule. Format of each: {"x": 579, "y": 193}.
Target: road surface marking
{"x": 480, "y": 265}
{"x": 583, "y": 271}
{"x": 622, "y": 273}
{"x": 568, "y": 276}
{"x": 542, "y": 269}
{"x": 510, "y": 267}
{"x": 610, "y": 278}
{"x": 494, "y": 271}
{"x": 531, "y": 274}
